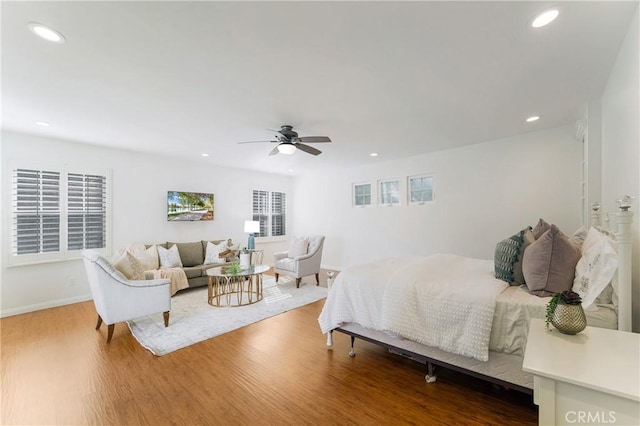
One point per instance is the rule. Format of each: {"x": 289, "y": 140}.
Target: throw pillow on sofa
{"x": 147, "y": 256}
{"x": 129, "y": 266}
{"x": 169, "y": 258}
{"x": 213, "y": 252}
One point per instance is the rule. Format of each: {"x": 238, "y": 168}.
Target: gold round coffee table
{"x": 239, "y": 289}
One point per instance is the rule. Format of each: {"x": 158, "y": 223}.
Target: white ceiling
{"x": 398, "y": 78}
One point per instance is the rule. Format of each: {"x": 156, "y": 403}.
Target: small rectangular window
{"x": 420, "y": 189}
{"x": 389, "y": 192}
{"x": 362, "y": 194}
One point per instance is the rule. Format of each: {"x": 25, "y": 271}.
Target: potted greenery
{"x": 565, "y": 312}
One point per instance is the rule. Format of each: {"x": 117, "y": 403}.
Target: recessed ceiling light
{"x": 46, "y": 33}
{"x": 42, "y": 123}
{"x": 545, "y": 18}
{"x": 533, "y": 118}
{"x": 290, "y": 170}
{"x": 373, "y": 154}
{"x": 204, "y": 154}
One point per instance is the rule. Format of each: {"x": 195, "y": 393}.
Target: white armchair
{"x": 118, "y": 299}
{"x": 295, "y": 264}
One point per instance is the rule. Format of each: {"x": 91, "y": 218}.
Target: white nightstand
{"x": 590, "y": 378}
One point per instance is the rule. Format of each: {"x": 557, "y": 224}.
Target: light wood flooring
{"x": 56, "y": 369}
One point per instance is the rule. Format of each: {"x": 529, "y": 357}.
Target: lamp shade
{"x": 251, "y": 226}
{"x": 286, "y": 148}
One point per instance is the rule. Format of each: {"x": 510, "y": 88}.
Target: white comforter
{"x": 446, "y": 301}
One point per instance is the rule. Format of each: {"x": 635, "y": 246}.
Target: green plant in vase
{"x": 567, "y": 297}
{"x": 233, "y": 269}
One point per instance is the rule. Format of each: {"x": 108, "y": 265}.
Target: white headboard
{"x": 624, "y": 218}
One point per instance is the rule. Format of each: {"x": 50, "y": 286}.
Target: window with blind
{"x": 87, "y": 211}
{"x": 36, "y": 207}
{"x": 270, "y": 209}
{"x": 56, "y": 213}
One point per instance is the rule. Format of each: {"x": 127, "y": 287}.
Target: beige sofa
{"x": 192, "y": 255}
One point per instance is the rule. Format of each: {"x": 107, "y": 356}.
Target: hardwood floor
{"x": 56, "y": 369}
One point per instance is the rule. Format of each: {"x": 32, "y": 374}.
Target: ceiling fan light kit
{"x": 286, "y": 148}
{"x": 289, "y": 142}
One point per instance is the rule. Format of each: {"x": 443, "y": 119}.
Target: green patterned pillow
{"x": 507, "y": 252}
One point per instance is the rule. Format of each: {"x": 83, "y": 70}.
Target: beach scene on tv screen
{"x": 189, "y": 206}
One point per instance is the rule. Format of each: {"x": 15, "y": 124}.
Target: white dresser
{"x": 590, "y": 378}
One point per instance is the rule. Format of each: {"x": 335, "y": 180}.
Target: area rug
{"x": 193, "y": 320}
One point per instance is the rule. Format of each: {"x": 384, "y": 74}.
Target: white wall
{"x": 140, "y": 185}
{"x": 484, "y": 193}
{"x": 621, "y": 143}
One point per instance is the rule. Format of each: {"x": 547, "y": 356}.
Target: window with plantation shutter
{"x": 87, "y": 211}
{"x": 278, "y": 213}
{"x": 56, "y": 214}
{"x": 261, "y": 211}
{"x": 36, "y": 211}
{"x": 270, "y": 209}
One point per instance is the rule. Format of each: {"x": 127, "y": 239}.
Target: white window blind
{"x": 270, "y": 209}
{"x": 87, "y": 211}
{"x": 278, "y": 213}
{"x": 261, "y": 211}
{"x": 36, "y": 211}
{"x": 57, "y": 213}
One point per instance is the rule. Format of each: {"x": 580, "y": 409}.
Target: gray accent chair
{"x": 118, "y": 299}
{"x": 303, "y": 265}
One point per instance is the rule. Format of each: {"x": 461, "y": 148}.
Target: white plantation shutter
{"x": 36, "y": 211}
{"x": 278, "y": 213}
{"x": 57, "y": 213}
{"x": 87, "y": 211}
{"x": 261, "y": 211}
{"x": 270, "y": 208}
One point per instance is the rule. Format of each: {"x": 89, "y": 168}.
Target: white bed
{"x": 384, "y": 312}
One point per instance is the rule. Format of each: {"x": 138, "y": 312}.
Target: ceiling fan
{"x": 288, "y": 141}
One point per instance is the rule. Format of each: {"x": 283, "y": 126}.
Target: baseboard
{"x": 44, "y": 305}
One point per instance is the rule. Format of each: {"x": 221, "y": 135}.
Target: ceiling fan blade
{"x": 308, "y": 149}
{"x": 274, "y": 151}
{"x": 256, "y": 142}
{"x": 313, "y": 139}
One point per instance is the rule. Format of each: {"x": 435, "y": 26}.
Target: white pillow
{"x": 213, "y": 252}
{"x": 298, "y": 247}
{"x": 129, "y": 266}
{"x": 147, "y": 256}
{"x": 596, "y": 267}
{"x": 169, "y": 258}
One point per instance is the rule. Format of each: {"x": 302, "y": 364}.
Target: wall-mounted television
{"x": 189, "y": 206}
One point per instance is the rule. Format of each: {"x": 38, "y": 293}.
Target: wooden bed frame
{"x": 501, "y": 368}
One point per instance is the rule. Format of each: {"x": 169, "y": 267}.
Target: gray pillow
{"x": 506, "y": 255}
{"x": 540, "y": 228}
{"x": 549, "y": 264}
{"x": 527, "y": 240}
